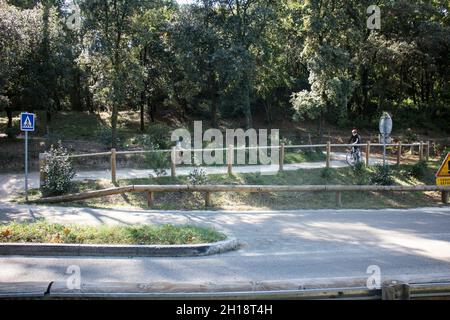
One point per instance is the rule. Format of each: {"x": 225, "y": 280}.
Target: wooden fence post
{"x": 150, "y": 199}
{"x": 428, "y": 151}
{"x": 208, "y": 199}
{"x": 368, "y": 154}
{"x": 445, "y": 197}
{"x": 230, "y": 159}
{"x": 282, "y": 151}
{"x": 395, "y": 291}
{"x": 328, "y": 154}
{"x": 421, "y": 151}
{"x": 114, "y": 166}
{"x": 42, "y": 164}
{"x": 173, "y": 162}
{"x": 339, "y": 199}
{"x": 399, "y": 153}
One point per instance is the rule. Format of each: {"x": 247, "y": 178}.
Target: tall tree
{"x": 109, "y": 32}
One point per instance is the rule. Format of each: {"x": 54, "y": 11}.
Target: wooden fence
{"x": 208, "y": 190}
{"x": 423, "y": 148}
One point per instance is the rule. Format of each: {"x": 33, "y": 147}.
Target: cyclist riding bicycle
{"x": 355, "y": 139}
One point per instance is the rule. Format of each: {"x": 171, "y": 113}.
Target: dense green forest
{"x": 222, "y": 59}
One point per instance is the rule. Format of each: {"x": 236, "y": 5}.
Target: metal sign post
{"x": 27, "y": 122}
{"x": 26, "y": 166}
{"x": 385, "y": 130}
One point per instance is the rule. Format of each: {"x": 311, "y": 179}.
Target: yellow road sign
{"x": 443, "y": 181}
{"x": 443, "y": 174}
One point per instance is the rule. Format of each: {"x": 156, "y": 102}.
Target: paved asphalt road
{"x": 282, "y": 245}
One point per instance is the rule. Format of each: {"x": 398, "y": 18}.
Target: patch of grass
{"x": 308, "y": 156}
{"x": 44, "y": 232}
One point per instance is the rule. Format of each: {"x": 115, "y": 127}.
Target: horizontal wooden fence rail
{"x": 424, "y": 153}
{"x": 150, "y": 190}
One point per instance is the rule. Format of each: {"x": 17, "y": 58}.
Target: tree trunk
{"x": 151, "y": 110}
{"x": 9, "y": 114}
{"x": 143, "y": 98}
{"x": 321, "y": 127}
{"x": 75, "y": 93}
{"x": 89, "y": 103}
{"x": 364, "y": 88}
{"x": 246, "y": 102}
{"x": 214, "y": 99}
{"x": 114, "y": 117}
{"x": 49, "y": 120}
{"x": 213, "y": 111}
{"x": 268, "y": 109}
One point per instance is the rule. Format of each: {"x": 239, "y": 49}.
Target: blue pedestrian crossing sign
{"x": 27, "y": 121}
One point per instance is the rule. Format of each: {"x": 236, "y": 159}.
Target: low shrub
{"x": 418, "y": 170}
{"x": 12, "y": 132}
{"x": 410, "y": 136}
{"x": 58, "y": 172}
{"x": 325, "y": 173}
{"x": 158, "y": 163}
{"x": 359, "y": 168}
{"x": 381, "y": 176}
{"x": 197, "y": 177}
{"x": 360, "y": 173}
{"x": 312, "y": 155}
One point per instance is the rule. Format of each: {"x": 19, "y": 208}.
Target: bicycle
{"x": 354, "y": 157}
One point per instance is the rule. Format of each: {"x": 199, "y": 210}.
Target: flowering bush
{"x": 58, "y": 172}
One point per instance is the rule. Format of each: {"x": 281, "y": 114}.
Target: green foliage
{"x": 286, "y": 141}
{"x": 105, "y": 136}
{"x": 326, "y": 173}
{"x": 159, "y": 134}
{"x": 45, "y": 232}
{"x": 157, "y": 161}
{"x": 197, "y": 177}
{"x": 12, "y": 132}
{"x": 359, "y": 168}
{"x": 4, "y": 102}
{"x": 445, "y": 152}
{"x": 410, "y": 136}
{"x": 418, "y": 170}
{"x": 381, "y": 175}
{"x": 307, "y": 104}
{"x": 216, "y": 59}
{"x": 58, "y": 172}
{"x": 360, "y": 172}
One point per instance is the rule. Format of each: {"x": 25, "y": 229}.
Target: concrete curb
{"x": 332, "y": 288}
{"x": 52, "y": 250}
